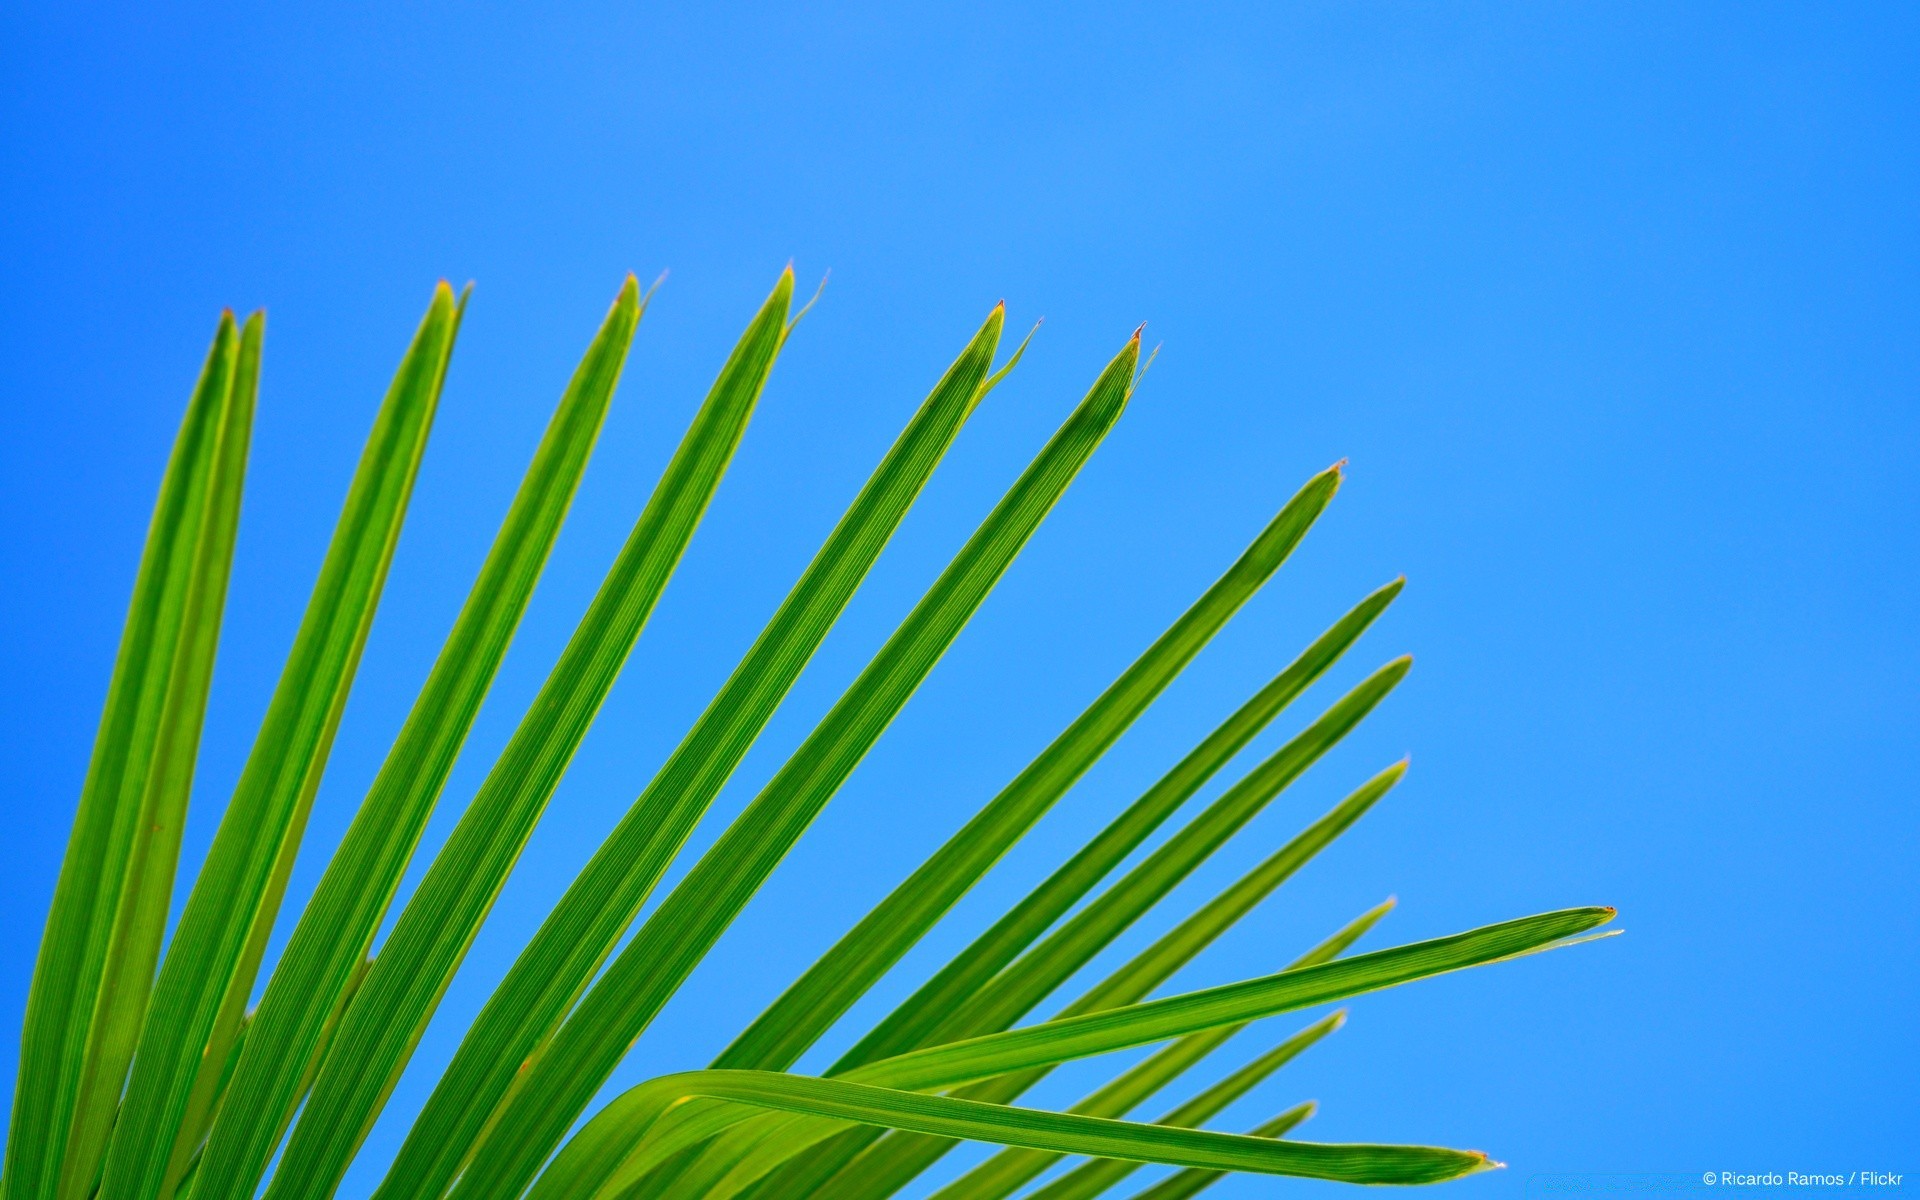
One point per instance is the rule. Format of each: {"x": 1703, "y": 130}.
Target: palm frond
{"x": 143, "y": 1076}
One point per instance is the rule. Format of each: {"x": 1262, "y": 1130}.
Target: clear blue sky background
{"x": 1612, "y": 306}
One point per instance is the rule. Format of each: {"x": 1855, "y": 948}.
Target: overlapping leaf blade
{"x": 855, "y": 1166}
{"x": 811, "y": 1169}
{"x": 1085, "y": 1035}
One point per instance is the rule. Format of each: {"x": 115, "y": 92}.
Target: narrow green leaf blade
{"x": 88, "y": 896}
{"x": 233, "y": 902}
{"x": 156, "y": 853}
{"x": 562, "y": 1080}
{"x": 434, "y": 930}
{"x": 1345, "y": 936}
{"x": 577, "y": 936}
{"x": 329, "y": 944}
{"x": 842, "y": 975}
{"x": 1155, "y": 1020}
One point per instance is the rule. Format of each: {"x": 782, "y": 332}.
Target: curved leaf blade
{"x": 583, "y": 1170}
{"x": 63, "y": 1017}
{"x": 1017, "y": 1056}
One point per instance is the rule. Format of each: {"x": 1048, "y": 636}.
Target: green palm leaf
{"x": 581, "y": 1171}
{"x": 144, "y": 1077}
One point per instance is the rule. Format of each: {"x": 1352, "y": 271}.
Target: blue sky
{"x": 1612, "y": 308}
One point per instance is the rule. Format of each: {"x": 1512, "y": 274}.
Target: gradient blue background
{"x": 1612, "y": 306}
